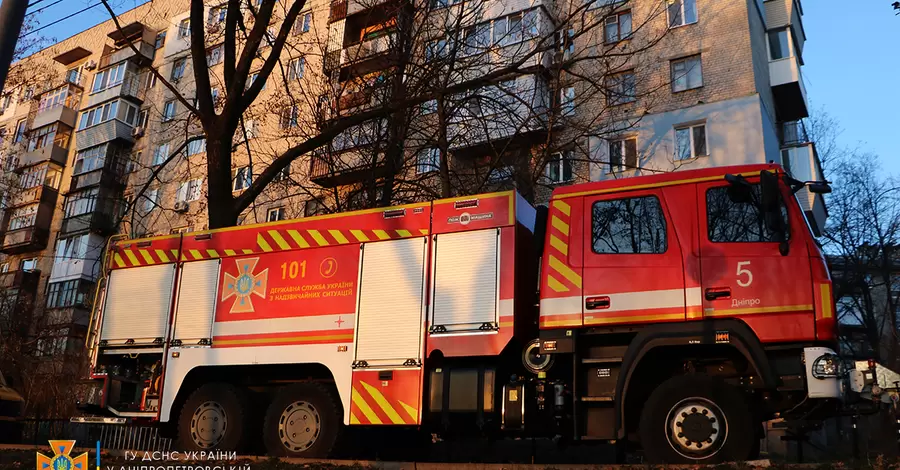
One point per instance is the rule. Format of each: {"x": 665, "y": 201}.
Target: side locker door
{"x": 632, "y": 260}
{"x": 743, "y": 273}
{"x": 390, "y": 328}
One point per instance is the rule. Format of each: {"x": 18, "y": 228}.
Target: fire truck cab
{"x": 675, "y": 311}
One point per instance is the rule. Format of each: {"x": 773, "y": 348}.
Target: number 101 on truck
{"x": 674, "y": 313}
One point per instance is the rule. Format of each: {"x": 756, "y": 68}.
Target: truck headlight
{"x": 827, "y": 366}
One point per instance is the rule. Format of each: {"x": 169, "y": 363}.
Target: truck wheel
{"x": 212, "y": 418}
{"x": 695, "y": 419}
{"x": 303, "y": 420}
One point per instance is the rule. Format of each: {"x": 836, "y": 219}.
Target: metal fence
{"x": 111, "y": 436}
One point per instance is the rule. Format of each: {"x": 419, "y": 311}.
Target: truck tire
{"x": 717, "y": 424}
{"x": 213, "y": 417}
{"x": 303, "y": 420}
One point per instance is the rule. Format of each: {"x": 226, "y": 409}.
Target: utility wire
{"x": 41, "y": 8}
{"x": 60, "y": 20}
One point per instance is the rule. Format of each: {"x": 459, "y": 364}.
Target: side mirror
{"x": 771, "y": 194}
{"x": 819, "y": 188}
{"x": 739, "y": 190}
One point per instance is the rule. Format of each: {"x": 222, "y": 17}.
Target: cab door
{"x": 744, "y": 274}
{"x": 633, "y": 269}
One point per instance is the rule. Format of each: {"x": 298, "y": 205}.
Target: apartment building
{"x": 577, "y": 91}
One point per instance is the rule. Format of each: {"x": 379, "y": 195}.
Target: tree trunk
{"x": 221, "y": 206}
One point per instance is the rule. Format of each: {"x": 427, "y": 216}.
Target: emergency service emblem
{"x": 243, "y": 286}
{"x": 61, "y": 459}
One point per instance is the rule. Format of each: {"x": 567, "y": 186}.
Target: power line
{"x": 35, "y": 12}
{"x": 60, "y": 20}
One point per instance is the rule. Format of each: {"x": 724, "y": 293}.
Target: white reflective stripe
{"x": 279, "y": 325}
{"x": 693, "y": 296}
{"x": 507, "y": 308}
{"x": 561, "y": 305}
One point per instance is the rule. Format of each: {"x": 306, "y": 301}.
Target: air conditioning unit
{"x": 90, "y": 65}
{"x": 181, "y": 206}
{"x": 137, "y": 131}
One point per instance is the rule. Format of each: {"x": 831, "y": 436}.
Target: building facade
{"x": 573, "y": 91}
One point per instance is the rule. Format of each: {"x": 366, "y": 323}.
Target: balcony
{"x": 130, "y": 87}
{"x": 100, "y": 222}
{"x": 83, "y": 265}
{"x": 788, "y": 89}
{"x": 143, "y": 57}
{"x": 800, "y": 160}
{"x": 48, "y": 153}
{"x": 27, "y": 227}
{"x": 370, "y": 55}
{"x": 20, "y": 280}
{"x": 109, "y": 174}
{"x": 58, "y": 105}
{"x": 75, "y": 315}
{"x": 341, "y": 9}
{"x": 346, "y": 167}
{"x": 108, "y": 131}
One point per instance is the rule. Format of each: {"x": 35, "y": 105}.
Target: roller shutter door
{"x": 390, "y": 324}
{"x": 137, "y": 304}
{"x": 196, "y": 305}
{"x": 466, "y": 270}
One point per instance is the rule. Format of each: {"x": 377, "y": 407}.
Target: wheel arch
{"x": 740, "y": 340}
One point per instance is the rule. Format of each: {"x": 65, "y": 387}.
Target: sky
{"x": 852, "y": 58}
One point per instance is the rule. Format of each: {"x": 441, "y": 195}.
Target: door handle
{"x": 715, "y": 293}
{"x": 596, "y": 303}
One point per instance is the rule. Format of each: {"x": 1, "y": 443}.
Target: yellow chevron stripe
{"x": 196, "y": 254}
{"x": 279, "y": 240}
{"x": 247, "y": 251}
{"x": 412, "y": 412}
{"x": 353, "y": 418}
{"x": 562, "y": 207}
{"x": 318, "y": 237}
{"x": 162, "y": 255}
{"x": 556, "y": 285}
{"x": 149, "y": 259}
{"x": 364, "y": 407}
{"x": 212, "y": 253}
{"x": 298, "y": 239}
{"x": 339, "y": 236}
{"x": 383, "y": 403}
{"x": 566, "y": 271}
{"x": 360, "y": 235}
{"x": 560, "y": 245}
{"x": 229, "y": 253}
{"x": 423, "y": 231}
{"x": 381, "y": 234}
{"x": 558, "y": 224}
{"x": 403, "y": 233}
{"x": 132, "y": 258}
{"x": 174, "y": 254}
{"x": 263, "y": 244}
{"x": 119, "y": 261}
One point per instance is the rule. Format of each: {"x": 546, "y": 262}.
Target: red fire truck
{"x": 676, "y": 311}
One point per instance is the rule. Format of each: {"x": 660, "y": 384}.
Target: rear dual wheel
{"x": 213, "y": 417}
{"x": 303, "y": 420}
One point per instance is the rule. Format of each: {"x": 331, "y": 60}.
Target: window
{"x": 23, "y": 217}
{"x": 217, "y": 15}
{"x": 90, "y": 159}
{"x": 283, "y": 175}
{"x": 60, "y": 295}
{"x": 241, "y": 178}
{"x": 690, "y": 142}
{"x": 144, "y": 118}
{"x": 429, "y": 107}
{"x": 253, "y": 77}
{"x": 21, "y": 125}
{"x": 687, "y": 73}
{"x": 100, "y": 114}
{"x": 729, "y": 222}
{"x": 71, "y": 248}
{"x": 160, "y": 40}
{"x": 195, "y": 147}
{"x": 150, "y": 200}
{"x": 168, "y": 110}
{"x": 178, "y": 68}
{"x": 567, "y": 101}
{"x": 29, "y": 264}
{"x": 622, "y": 155}
{"x": 73, "y": 75}
{"x": 314, "y": 207}
{"x": 42, "y": 137}
{"x": 214, "y": 95}
{"x": 214, "y": 55}
{"x": 189, "y": 190}
{"x": 109, "y": 77}
{"x": 509, "y": 29}
{"x": 81, "y": 203}
{"x": 620, "y": 88}
{"x": 618, "y": 27}
{"x": 151, "y": 80}
{"x": 428, "y": 160}
{"x": 628, "y": 226}
{"x": 304, "y": 22}
{"x": 184, "y": 29}
{"x": 290, "y": 117}
{"x": 5, "y": 102}
{"x": 251, "y": 128}
{"x": 4, "y": 268}
{"x": 436, "y": 49}
{"x": 681, "y": 12}
{"x": 275, "y": 214}
{"x": 296, "y": 68}
{"x": 779, "y": 44}
{"x": 160, "y": 154}
{"x": 559, "y": 168}
{"x": 476, "y": 39}
{"x": 500, "y": 174}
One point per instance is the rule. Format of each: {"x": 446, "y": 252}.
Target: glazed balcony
{"x": 58, "y": 105}
{"x": 27, "y": 227}
{"x": 347, "y": 167}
